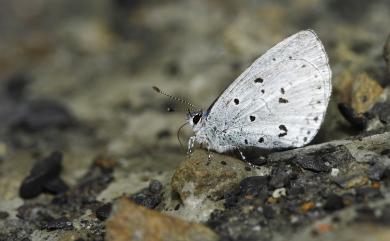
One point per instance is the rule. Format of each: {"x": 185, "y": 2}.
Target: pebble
{"x": 103, "y": 212}
{"x": 358, "y": 121}
{"x": 334, "y": 172}
{"x": 365, "y": 93}
{"x": 334, "y": 202}
{"x": 60, "y": 223}
{"x": 279, "y": 192}
{"x": 312, "y": 163}
{"x": 155, "y": 186}
{"x": 44, "y": 177}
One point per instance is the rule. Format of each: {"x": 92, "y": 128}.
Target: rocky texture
{"x": 198, "y": 178}
{"x": 365, "y": 93}
{"x": 76, "y": 76}
{"x": 130, "y": 222}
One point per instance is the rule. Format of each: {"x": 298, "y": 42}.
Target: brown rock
{"x": 198, "y": 177}
{"x": 130, "y": 222}
{"x": 365, "y": 93}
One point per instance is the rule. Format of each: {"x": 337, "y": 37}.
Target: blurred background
{"x": 76, "y": 76}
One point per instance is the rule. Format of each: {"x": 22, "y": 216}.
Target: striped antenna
{"x": 174, "y": 98}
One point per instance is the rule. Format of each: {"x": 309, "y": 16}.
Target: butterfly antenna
{"x": 174, "y": 98}
{"x": 178, "y": 135}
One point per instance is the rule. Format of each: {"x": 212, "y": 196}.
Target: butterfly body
{"x": 278, "y": 102}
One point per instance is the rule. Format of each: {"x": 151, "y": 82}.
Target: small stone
{"x": 334, "y": 172}
{"x": 306, "y": 206}
{"x": 60, "y": 223}
{"x": 333, "y": 203}
{"x": 351, "y": 181}
{"x": 130, "y": 222}
{"x": 3, "y": 215}
{"x": 155, "y": 186}
{"x": 279, "y": 192}
{"x": 268, "y": 212}
{"x": 41, "y": 175}
{"x": 365, "y": 93}
{"x": 103, "y": 212}
{"x": 358, "y": 121}
{"x": 146, "y": 199}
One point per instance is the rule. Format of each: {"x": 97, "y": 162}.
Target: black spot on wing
{"x": 236, "y": 101}
{"x": 282, "y": 91}
{"x": 252, "y": 118}
{"x": 284, "y": 129}
{"x": 263, "y": 91}
{"x": 261, "y": 139}
{"x": 282, "y": 100}
{"x": 259, "y": 80}
{"x": 246, "y": 141}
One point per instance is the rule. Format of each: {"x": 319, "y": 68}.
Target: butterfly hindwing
{"x": 279, "y": 101}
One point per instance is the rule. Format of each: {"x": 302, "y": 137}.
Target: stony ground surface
{"x": 85, "y": 142}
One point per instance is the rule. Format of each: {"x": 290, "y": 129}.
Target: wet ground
{"x": 82, "y": 131}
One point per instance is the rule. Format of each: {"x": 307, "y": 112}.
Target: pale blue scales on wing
{"x": 280, "y": 101}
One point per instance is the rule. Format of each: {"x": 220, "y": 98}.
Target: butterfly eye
{"x": 196, "y": 119}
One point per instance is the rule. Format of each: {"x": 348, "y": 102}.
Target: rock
{"x": 3, "y": 215}
{"x": 42, "y": 114}
{"x": 44, "y": 177}
{"x": 198, "y": 178}
{"x": 351, "y": 181}
{"x": 277, "y": 193}
{"x": 131, "y": 222}
{"x": 312, "y": 163}
{"x": 358, "y": 121}
{"x": 103, "y": 212}
{"x": 382, "y": 110}
{"x": 155, "y": 186}
{"x": 334, "y": 202}
{"x": 365, "y": 93}
{"x": 60, "y": 223}
{"x": 149, "y": 197}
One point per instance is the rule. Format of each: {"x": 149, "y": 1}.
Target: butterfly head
{"x": 195, "y": 119}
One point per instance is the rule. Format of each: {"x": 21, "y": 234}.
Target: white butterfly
{"x": 278, "y": 102}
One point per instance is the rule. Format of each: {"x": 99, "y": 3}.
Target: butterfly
{"x": 278, "y": 102}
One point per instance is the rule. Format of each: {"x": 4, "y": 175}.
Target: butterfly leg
{"x": 191, "y": 143}
{"x": 209, "y": 155}
{"x": 242, "y": 154}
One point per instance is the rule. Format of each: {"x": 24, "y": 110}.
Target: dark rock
{"x": 56, "y": 186}
{"x": 3, "y": 215}
{"x": 259, "y": 161}
{"x": 103, "y": 212}
{"x": 280, "y": 176}
{"x": 38, "y": 115}
{"x": 268, "y": 212}
{"x": 15, "y": 86}
{"x": 155, "y": 186}
{"x": 376, "y": 172}
{"x": 42, "y": 174}
{"x": 254, "y": 186}
{"x": 149, "y": 197}
{"x": 333, "y": 203}
{"x": 59, "y": 223}
{"x": 312, "y": 163}
{"x": 358, "y": 121}
{"x": 382, "y": 110}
